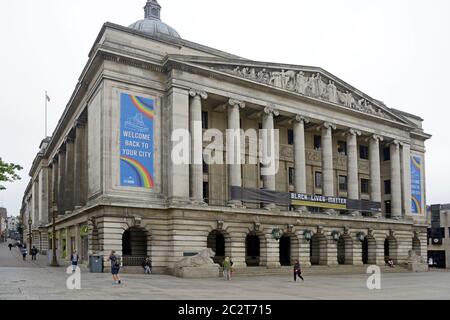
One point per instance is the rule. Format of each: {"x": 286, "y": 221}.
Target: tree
{"x": 8, "y": 172}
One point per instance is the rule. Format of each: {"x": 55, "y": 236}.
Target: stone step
{"x": 314, "y": 270}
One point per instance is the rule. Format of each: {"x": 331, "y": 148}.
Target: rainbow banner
{"x": 136, "y": 141}
{"x": 416, "y": 185}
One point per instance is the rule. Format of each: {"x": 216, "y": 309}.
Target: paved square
{"x": 32, "y": 280}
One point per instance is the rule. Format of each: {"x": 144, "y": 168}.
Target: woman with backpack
{"x": 115, "y": 267}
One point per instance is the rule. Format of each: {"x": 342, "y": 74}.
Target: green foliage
{"x": 8, "y": 172}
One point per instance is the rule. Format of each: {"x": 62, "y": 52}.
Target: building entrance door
{"x": 252, "y": 250}
{"x": 285, "y": 251}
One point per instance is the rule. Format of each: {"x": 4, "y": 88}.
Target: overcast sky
{"x": 395, "y": 51}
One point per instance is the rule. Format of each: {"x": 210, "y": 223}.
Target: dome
{"x": 152, "y": 23}
{"x": 154, "y": 27}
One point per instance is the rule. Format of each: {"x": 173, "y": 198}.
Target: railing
{"x": 133, "y": 261}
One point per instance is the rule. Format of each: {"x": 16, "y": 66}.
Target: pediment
{"x": 310, "y": 82}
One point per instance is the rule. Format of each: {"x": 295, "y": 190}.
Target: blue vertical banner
{"x": 136, "y": 141}
{"x": 416, "y": 185}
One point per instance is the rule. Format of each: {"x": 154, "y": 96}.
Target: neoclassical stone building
{"x": 350, "y": 186}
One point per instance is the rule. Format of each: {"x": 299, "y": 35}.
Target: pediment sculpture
{"x": 309, "y": 84}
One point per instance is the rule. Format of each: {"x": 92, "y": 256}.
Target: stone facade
{"x": 76, "y": 175}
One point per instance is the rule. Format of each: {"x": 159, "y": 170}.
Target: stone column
{"x": 300, "y": 153}
{"x": 80, "y": 174}
{"x": 352, "y": 164}
{"x": 268, "y": 152}
{"x": 61, "y": 181}
{"x": 396, "y": 186}
{"x": 69, "y": 173}
{"x": 43, "y": 195}
{"x": 54, "y": 195}
{"x": 375, "y": 171}
{"x": 406, "y": 178}
{"x": 35, "y": 200}
{"x": 327, "y": 159}
{"x": 196, "y": 166}
{"x": 178, "y": 120}
{"x": 234, "y": 147}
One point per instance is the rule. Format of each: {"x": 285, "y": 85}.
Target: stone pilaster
{"x": 352, "y": 164}
{"x": 80, "y": 172}
{"x": 304, "y": 250}
{"x": 375, "y": 171}
{"x": 330, "y": 257}
{"x": 61, "y": 181}
{"x": 35, "y": 204}
{"x": 268, "y": 152}
{"x": 43, "y": 195}
{"x": 238, "y": 249}
{"x": 196, "y": 166}
{"x": 178, "y": 171}
{"x": 69, "y": 173}
{"x": 234, "y": 146}
{"x": 396, "y": 187}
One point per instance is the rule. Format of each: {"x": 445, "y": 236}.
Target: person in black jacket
{"x": 147, "y": 265}
{"x": 297, "y": 271}
{"x": 33, "y": 253}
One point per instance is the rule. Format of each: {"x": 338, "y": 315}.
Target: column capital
{"x": 69, "y": 139}
{"x": 299, "y": 118}
{"x": 352, "y": 132}
{"x": 271, "y": 109}
{"x": 375, "y": 137}
{"x": 394, "y": 142}
{"x": 236, "y": 103}
{"x": 202, "y": 94}
{"x": 327, "y": 125}
{"x": 80, "y": 123}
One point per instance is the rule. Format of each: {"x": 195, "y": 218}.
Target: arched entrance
{"x": 252, "y": 250}
{"x": 369, "y": 248}
{"x": 416, "y": 246}
{"x": 285, "y": 251}
{"x": 345, "y": 250}
{"x": 220, "y": 243}
{"x": 318, "y": 249}
{"x": 134, "y": 246}
{"x": 390, "y": 249}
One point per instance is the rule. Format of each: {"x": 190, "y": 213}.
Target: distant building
{"x": 439, "y": 235}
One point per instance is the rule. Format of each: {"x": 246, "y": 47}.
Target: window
{"x": 387, "y": 206}
{"x": 317, "y": 142}
{"x": 364, "y": 152}
{"x": 442, "y": 230}
{"x": 205, "y": 122}
{"x": 206, "y": 192}
{"x": 205, "y": 168}
{"x": 342, "y": 148}
{"x": 291, "y": 176}
{"x": 342, "y": 183}
{"x": 365, "y": 186}
{"x": 260, "y": 126}
{"x": 318, "y": 179}
{"x": 290, "y": 137}
{"x": 387, "y": 154}
{"x": 387, "y": 187}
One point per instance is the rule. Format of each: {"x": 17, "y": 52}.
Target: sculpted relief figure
{"x": 301, "y": 83}
{"x": 332, "y": 92}
{"x": 313, "y": 86}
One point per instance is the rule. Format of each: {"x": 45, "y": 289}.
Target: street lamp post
{"x": 54, "y": 259}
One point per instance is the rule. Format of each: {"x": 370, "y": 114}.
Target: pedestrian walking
{"x": 74, "y": 258}
{"x": 33, "y": 253}
{"x": 24, "y": 253}
{"x": 115, "y": 267}
{"x": 430, "y": 264}
{"x": 10, "y": 246}
{"x": 147, "y": 265}
{"x": 227, "y": 269}
{"x": 297, "y": 271}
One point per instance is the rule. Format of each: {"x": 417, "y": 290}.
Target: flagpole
{"x": 46, "y": 98}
